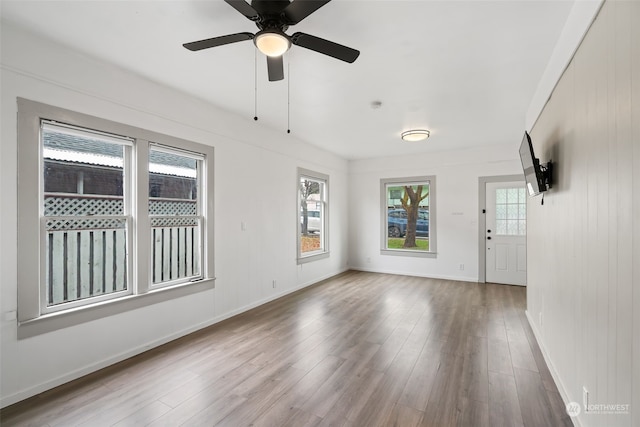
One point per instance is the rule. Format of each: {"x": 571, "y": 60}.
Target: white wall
{"x": 582, "y": 15}
{"x": 249, "y": 159}
{"x": 457, "y": 207}
{"x": 583, "y": 294}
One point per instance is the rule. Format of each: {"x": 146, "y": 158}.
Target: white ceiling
{"x": 466, "y": 70}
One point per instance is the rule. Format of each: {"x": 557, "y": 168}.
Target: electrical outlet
{"x": 585, "y": 398}
{"x": 461, "y": 267}
{"x": 274, "y": 283}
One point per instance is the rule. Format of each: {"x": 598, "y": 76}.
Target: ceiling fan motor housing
{"x": 271, "y": 14}
{"x": 269, "y": 7}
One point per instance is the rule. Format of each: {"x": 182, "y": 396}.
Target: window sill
{"x": 63, "y": 319}
{"x": 408, "y": 253}
{"x": 311, "y": 258}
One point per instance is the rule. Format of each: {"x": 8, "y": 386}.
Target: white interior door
{"x": 506, "y": 233}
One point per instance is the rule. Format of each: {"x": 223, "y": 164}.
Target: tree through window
{"x": 408, "y": 215}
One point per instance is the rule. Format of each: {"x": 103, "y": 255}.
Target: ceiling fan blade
{"x": 244, "y": 8}
{"x": 275, "y": 67}
{"x": 218, "y": 41}
{"x": 300, "y": 9}
{"x": 325, "y": 47}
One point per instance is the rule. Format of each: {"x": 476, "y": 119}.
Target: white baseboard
{"x": 554, "y": 374}
{"x": 63, "y": 379}
{"x": 404, "y": 273}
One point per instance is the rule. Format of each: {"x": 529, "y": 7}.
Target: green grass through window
{"x": 398, "y": 242}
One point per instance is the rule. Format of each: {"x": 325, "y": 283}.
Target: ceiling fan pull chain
{"x": 255, "y": 83}
{"x": 288, "y": 96}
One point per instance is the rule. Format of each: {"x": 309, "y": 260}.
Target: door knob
{"x": 488, "y": 231}
{"x": 489, "y": 238}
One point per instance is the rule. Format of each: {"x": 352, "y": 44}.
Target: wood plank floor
{"x": 360, "y": 349}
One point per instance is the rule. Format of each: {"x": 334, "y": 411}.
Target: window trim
{"x": 31, "y": 321}
{"x": 384, "y": 250}
{"x": 300, "y": 258}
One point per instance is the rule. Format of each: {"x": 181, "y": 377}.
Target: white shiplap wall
{"x": 584, "y": 242}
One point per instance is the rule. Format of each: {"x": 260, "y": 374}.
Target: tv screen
{"x": 532, "y": 172}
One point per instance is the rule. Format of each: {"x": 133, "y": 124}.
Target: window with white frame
{"x": 86, "y": 202}
{"x": 175, "y": 211}
{"x": 408, "y": 216}
{"x": 511, "y": 211}
{"x": 313, "y": 230}
{"x": 112, "y": 217}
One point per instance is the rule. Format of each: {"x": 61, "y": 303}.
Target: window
{"x": 87, "y": 220}
{"x": 313, "y": 212}
{"x": 408, "y": 216}
{"x": 175, "y": 211}
{"x": 511, "y": 211}
{"x": 111, "y": 216}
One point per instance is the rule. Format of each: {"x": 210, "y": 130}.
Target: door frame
{"x": 482, "y": 220}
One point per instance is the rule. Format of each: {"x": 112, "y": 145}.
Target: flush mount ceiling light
{"x": 272, "y": 42}
{"x": 415, "y": 135}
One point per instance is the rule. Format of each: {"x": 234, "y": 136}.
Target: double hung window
{"x": 313, "y": 230}
{"x": 86, "y": 225}
{"x": 111, "y": 217}
{"x": 176, "y": 215}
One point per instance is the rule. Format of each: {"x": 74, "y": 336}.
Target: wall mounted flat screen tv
{"x": 536, "y": 176}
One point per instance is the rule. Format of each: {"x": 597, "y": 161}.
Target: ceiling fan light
{"x": 272, "y": 43}
{"x": 415, "y": 135}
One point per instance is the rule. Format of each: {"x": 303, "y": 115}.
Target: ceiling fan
{"x": 273, "y": 18}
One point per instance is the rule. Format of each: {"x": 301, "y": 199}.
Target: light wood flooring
{"x": 360, "y": 349}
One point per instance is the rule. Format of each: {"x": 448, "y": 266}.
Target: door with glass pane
{"x": 506, "y": 233}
